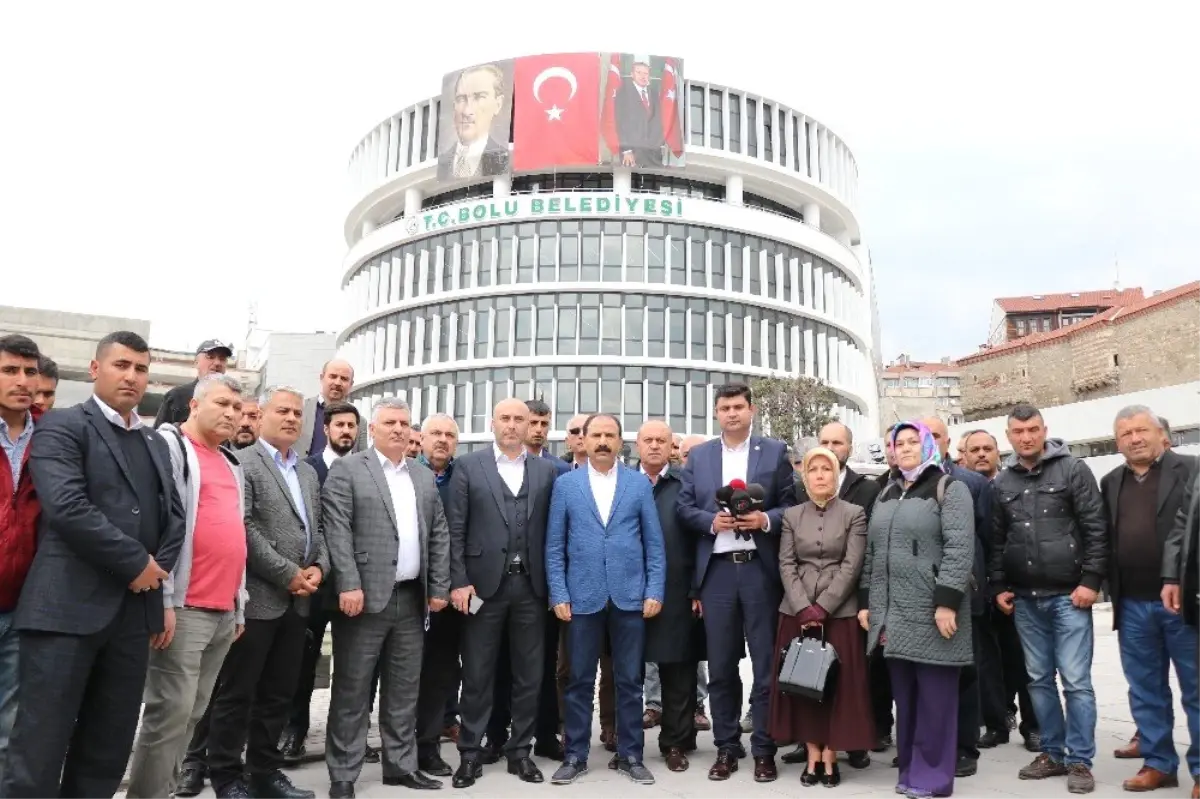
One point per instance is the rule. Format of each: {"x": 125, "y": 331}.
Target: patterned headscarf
{"x": 931, "y": 456}
{"x": 820, "y": 452}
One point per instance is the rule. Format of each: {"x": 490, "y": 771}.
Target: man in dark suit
{"x": 111, "y": 528}
{"x": 391, "y": 554}
{"x": 340, "y": 428}
{"x": 337, "y": 379}
{"x": 639, "y": 121}
{"x": 479, "y": 95}
{"x": 675, "y": 637}
{"x": 499, "y": 502}
{"x": 737, "y": 571}
{"x": 1142, "y": 502}
{"x": 287, "y": 561}
{"x": 858, "y": 490}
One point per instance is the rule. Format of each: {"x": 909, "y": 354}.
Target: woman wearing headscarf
{"x": 915, "y": 602}
{"x": 821, "y": 548}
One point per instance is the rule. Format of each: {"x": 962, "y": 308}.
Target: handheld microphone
{"x": 758, "y": 495}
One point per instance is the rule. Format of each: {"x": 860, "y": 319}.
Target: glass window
{"x": 525, "y": 254}
{"x": 656, "y": 259}
{"x": 487, "y": 248}
{"x": 678, "y": 256}
{"x": 633, "y": 404}
{"x": 483, "y": 331}
{"x": 424, "y": 130}
{"x": 782, "y": 137}
{"x": 590, "y": 266}
{"x": 611, "y": 326}
{"x": 771, "y": 279}
{"x": 589, "y": 325}
{"x": 797, "y": 166}
{"x": 479, "y": 406}
{"x": 737, "y": 334}
{"x": 751, "y": 128}
{"x": 547, "y": 248}
{"x": 754, "y": 267}
{"x": 656, "y": 333}
{"x": 677, "y": 406}
{"x": 696, "y": 114}
{"x": 445, "y": 334}
{"x": 699, "y": 324}
{"x": 696, "y": 249}
{"x": 504, "y": 267}
{"x": 522, "y": 383}
{"x": 718, "y": 333}
{"x": 524, "y": 327}
{"x": 610, "y": 396}
{"x": 545, "y": 330}
{"x": 735, "y": 123}
{"x": 612, "y": 254}
{"x": 677, "y": 330}
{"x": 635, "y": 257}
{"x": 589, "y": 396}
{"x": 699, "y": 405}
{"x": 787, "y": 365}
{"x": 716, "y": 126}
{"x": 787, "y": 276}
{"x": 634, "y": 317}
{"x": 565, "y": 403}
{"x": 736, "y": 269}
{"x": 502, "y": 328}
{"x": 656, "y": 399}
{"x": 464, "y": 332}
{"x": 460, "y": 400}
{"x": 568, "y": 256}
{"x": 768, "y": 152}
{"x": 716, "y": 254}
{"x": 568, "y": 319}
{"x": 756, "y": 338}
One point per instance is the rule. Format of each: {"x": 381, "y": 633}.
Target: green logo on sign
{"x": 611, "y": 205}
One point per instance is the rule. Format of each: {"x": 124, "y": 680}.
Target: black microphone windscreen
{"x": 724, "y": 495}
{"x": 756, "y": 492}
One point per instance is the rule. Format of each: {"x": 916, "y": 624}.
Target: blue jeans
{"x": 585, "y": 640}
{"x": 8, "y": 684}
{"x": 1151, "y": 639}
{"x": 1058, "y": 639}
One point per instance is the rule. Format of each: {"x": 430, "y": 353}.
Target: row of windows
{"x": 714, "y": 118}
{"x": 601, "y": 182}
{"x": 631, "y": 325}
{"x": 920, "y": 382}
{"x": 604, "y": 251}
{"x": 683, "y": 397}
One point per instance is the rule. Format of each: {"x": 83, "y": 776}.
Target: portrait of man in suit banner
{"x": 642, "y": 117}
{"x": 476, "y": 117}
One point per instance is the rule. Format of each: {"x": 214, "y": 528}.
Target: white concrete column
{"x": 843, "y": 237}
{"x": 622, "y": 180}
{"x": 501, "y": 186}
{"x": 810, "y": 350}
{"x": 368, "y": 227}
{"x": 812, "y": 215}
{"x": 733, "y": 189}
{"x": 412, "y": 201}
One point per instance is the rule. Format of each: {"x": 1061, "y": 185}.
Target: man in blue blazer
{"x": 737, "y": 572}
{"x": 606, "y": 570}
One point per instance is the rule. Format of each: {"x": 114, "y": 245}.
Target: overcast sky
{"x": 178, "y": 166}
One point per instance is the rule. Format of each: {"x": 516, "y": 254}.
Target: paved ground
{"x": 997, "y": 769}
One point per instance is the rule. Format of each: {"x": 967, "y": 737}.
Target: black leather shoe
{"x": 860, "y": 758}
{"x": 797, "y": 755}
{"x": 435, "y": 766}
{"x": 1033, "y": 742}
{"x": 276, "y": 785}
{"x": 526, "y": 770}
{"x": 811, "y": 778}
{"x": 234, "y": 790}
{"x": 191, "y": 780}
{"x": 492, "y": 753}
{"x": 341, "y": 790}
{"x": 372, "y": 755}
{"x": 966, "y": 767}
{"x": 291, "y": 746}
{"x": 883, "y": 744}
{"x": 469, "y": 770}
{"x": 415, "y": 782}
{"x": 992, "y": 738}
{"x": 833, "y": 777}
{"x": 551, "y": 750}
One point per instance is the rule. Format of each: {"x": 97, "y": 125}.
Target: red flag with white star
{"x": 556, "y": 111}
{"x": 669, "y": 108}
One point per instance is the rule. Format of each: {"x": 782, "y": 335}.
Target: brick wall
{"x": 1149, "y": 348}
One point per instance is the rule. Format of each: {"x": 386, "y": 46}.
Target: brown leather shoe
{"x": 727, "y": 763}
{"x": 676, "y": 759}
{"x": 1150, "y": 779}
{"x": 702, "y": 722}
{"x": 1131, "y": 750}
{"x": 1196, "y": 789}
{"x": 765, "y": 769}
{"x": 450, "y": 733}
{"x": 651, "y": 718}
{"x": 609, "y": 739}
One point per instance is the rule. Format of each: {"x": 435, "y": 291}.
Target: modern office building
{"x": 600, "y": 287}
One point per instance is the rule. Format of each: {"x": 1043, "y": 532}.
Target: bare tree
{"x": 790, "y": 408}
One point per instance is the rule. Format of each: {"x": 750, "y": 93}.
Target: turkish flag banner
{"x": 556, "y": 111}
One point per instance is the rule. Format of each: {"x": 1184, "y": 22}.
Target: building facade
{"x": 920, "y": 389}
{"x": 1148, "y": 344}
{"x": 634, "y": 292}
{"x": 1015, "y": 317}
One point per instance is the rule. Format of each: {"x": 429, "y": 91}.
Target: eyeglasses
{"x": 575, "y": 431}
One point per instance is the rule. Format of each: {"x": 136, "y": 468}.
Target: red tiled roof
{"x": 1040, "y": 303}
{"x": 1111, "y": 315}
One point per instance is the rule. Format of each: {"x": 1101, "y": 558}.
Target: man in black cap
{"x": 212, "y": 356}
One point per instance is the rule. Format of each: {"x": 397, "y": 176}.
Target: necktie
{"x": 645, "y": 99}
{"x": 461, "y": 169}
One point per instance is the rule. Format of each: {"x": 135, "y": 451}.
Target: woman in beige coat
{"x": 821, "y": 548}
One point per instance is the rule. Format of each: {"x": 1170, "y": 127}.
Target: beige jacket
{"x": 821, "y": 557}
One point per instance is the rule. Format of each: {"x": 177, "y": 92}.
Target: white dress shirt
{"x": 735, "y": 465}
{"x": 467, "y": 157}
{"x": 512, "y": 470}
{"x": 404, "y": 501}
{"x": 604, "y": 489}
{"x": 111, "y": 415}
{"x": 329, "y": 456}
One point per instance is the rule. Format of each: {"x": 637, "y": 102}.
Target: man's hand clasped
{"x": 150, "y": 579}
{"x": 460, "y": 598}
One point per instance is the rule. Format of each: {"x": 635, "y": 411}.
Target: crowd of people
{"x": 185, "y": 574}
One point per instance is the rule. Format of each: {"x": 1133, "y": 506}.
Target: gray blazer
{"x": 821, "y": 557}
{"x": 275, "y": 536}
{"x": 360, "y": 527}
{"x": 313, "y": 416}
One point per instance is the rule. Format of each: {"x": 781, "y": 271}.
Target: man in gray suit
{"x": 391, "y": 566}
{"x": 287, "y": 560}
{"x": 499, "y": 503}
{"x": 111, "y": 529}
{"x": 337, "y": 378}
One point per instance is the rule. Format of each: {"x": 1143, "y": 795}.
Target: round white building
{"x": 634, "y": 292}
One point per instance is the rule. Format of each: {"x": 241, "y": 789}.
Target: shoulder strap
{"x": 943, "y": 481}
{"x": 183, "y": 458}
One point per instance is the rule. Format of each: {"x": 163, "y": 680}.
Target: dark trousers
{"x": 926, "y": 724}
{"x": 1016, "y": 677}
{"x": 548, "y": 717}
{"x": 79, "y": 698}
{"x": 585, "y": 640}
{"x": 258, "y": 682}
{"x": 517, "y": 613}
{"x": 881, "y": 692}
{"x": 970, "y": 714}
{"x": 321, "y": 612}
{"x": 993, "y": 698}
{"x": 677, "y": 728}
{"x": 439, "y": 679}
{"x": 741, "y": 600}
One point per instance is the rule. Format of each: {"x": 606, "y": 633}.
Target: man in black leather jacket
{"x": 1048, "y": 560}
